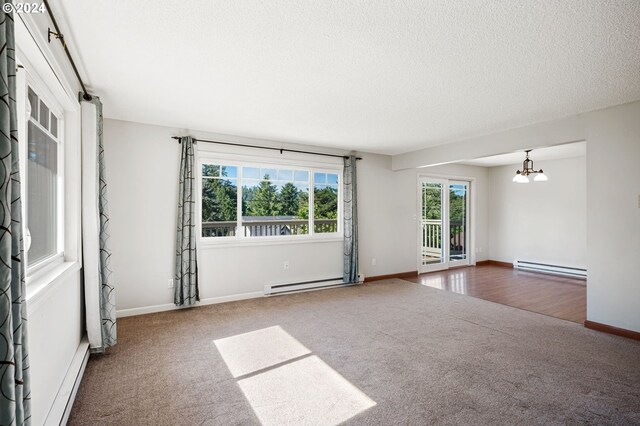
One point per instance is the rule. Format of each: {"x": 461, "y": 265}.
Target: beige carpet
{"x": 389, "y": 352}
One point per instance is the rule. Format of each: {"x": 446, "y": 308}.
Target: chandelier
{"x": 527, "y": 169}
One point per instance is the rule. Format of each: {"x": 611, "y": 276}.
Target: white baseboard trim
{"x": 61, "y": 408}
{"x": 171, "y": 307}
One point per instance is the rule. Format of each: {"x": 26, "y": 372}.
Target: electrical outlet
{"x": 373, "y": 261}
{"x": 170, "y": 285}
{"x": 285, "y": 265}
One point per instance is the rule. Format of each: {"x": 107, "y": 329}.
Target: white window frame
{"x": 26, "y": 79}
{"x": 238, "y": 160}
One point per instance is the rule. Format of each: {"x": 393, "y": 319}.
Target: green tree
{"x": 210, "y": 204}
{"x": 325, "y": 203}
{"x": 303, "y": 205}
{"x": 227, "y": 194}
{"x": 431, "y": 201}
{"x": 456, "y": 206}
{"x": 218, "y": 200}
{"x": 219, "y": 196}
{"x": 247, "y": 196}
{"x": 265, "y": 199}
{"x": 210, "y": 170}
{"x": 288, "y": 200}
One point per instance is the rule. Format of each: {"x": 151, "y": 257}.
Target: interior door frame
{"x": 471, "y": 252}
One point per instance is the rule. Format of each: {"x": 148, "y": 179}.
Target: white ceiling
{"x": 557, "y": 152}
{"x": 377, "y": 76}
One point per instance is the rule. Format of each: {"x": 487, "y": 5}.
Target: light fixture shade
{"x": 521, "y": 179}
{"x": 541, "y": 177}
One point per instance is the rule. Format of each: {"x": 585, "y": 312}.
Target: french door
{"x": 444, "y": 224}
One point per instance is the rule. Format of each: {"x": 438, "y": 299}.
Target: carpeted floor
{"x": 395, "y": 353}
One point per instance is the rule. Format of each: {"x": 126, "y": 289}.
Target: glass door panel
{"x": 458, "y": 220}
{"x": 432, "y": 221}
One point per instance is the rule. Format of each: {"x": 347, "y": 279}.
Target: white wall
{"x": 613, "y": 216}
{"x": 54, "y": 324}
{"x": 142, "y": 171}
{"x": 564, "y": 130}
{"x": 143, "y": 195}
{"x": 384, "y": 217}
{"x": 613, "y": 186}
{"x": 142, "y": 168}
{"x": 540, "y": 221}
{"x": 388, "y": 211}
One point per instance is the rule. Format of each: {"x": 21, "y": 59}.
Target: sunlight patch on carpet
{"x": 256, "y": 350}
{"x": 285, "y": 383}
{"x": 306, "y": 391}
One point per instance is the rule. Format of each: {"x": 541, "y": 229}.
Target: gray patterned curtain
{"x": 107, "y": 287}
{"x": 15, "y": 393}
{"x": 186, "y": 270}
{"x": 99, "y": 288}
{"x": 350, "y": 212}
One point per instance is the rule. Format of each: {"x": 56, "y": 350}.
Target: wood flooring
{"x": 559, "y": 297}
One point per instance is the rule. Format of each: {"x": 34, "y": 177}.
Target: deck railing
{"x": 432, "y": 237}
{"x": 267, "y": 227}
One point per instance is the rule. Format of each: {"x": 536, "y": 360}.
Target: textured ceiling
{"x": 557, "y": 152}
{"x": 377, "y": 76}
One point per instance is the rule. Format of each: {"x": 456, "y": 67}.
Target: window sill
{"x": 40, "y": 287}
{"x": 225, "y": 242}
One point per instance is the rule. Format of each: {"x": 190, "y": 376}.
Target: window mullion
{"x": 311, "y": 203}
{"x": 239, "y": 230}
{"x": 340, "y": 214}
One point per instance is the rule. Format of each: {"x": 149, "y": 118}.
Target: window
{"x": 43, "y": 201}
{"x": 242, "y": 200}
{"x": 325, "y": 201}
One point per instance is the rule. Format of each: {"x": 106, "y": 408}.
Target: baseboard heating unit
{"x": 545, "y": 268}
{"x": 275, "y": 289}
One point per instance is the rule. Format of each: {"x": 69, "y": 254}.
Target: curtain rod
{"x": 59, "y": 36}
{"x": 269, "y": 148}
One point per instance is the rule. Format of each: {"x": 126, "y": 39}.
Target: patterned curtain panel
{"x": 186, "y": 270}
{"x": 15, "y": 393}
{"x": 350, "y": 212}
{"x": 99, "y": 285}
